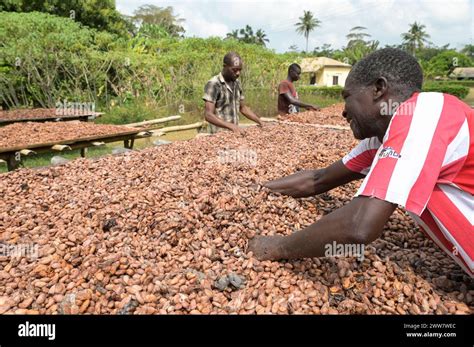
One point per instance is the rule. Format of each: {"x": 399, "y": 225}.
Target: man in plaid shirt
{"x": 224, "y": 98}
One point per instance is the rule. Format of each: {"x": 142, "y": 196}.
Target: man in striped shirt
{"x": 417, "y": 151}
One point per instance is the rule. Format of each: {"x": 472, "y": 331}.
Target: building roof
{"x": 463, "y": 72}
{"x": 314, "y": 64}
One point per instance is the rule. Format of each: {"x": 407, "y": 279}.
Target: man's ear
{"x": 380, "y": 87}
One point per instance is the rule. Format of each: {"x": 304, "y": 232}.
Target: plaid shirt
{"x": 226, "y": 99}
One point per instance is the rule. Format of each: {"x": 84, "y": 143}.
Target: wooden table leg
{"x": 128, "y": 143}
{"x": 83, "y": 152}
{"x": 12, "y": 162}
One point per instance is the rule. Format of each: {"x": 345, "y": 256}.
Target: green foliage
{"x": 357, "y": 36}
{"x": 358, "y": 50}
{"x": 466, "y": 83}
{"x": 43, "y": 59}
{"x": 332, "y": 92}
{"x": 457, "y": 90}
{"x": 59, "y": 59}
{"x": 444, "y": 63}
{"x": 324, "y": 51}
{"x": 248, "y": 36}
{"x": 469, "y": 51}
{"x": 158, "y": 17}
{"x": 153, "y": 31}
{"x": 98, "y": 14}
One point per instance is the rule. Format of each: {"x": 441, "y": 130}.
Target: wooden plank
{"x": 153, "y": 121}
{"x": 163, "y": 131}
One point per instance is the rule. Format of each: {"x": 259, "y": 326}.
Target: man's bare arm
{"x": 359, "y": 222}
{"x": 247, "y": 112}
{"x": 299, "y": 103}
{"x": 211, "y": 117}
{"x": 312, "y": 182}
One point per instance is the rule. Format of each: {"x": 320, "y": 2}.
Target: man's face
{"x": 232, "y": 71}
{"x": 360, "y": 110}
{"x": 295, "y": 74}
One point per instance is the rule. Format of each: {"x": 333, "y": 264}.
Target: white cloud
{"x": 446, "y": 22}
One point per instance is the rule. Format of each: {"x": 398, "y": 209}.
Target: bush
{"x": 457, "y": 90}
{"x": 45, "y": 59}
{"x": 60, "y": 59}
{"x": 466, "y": 83}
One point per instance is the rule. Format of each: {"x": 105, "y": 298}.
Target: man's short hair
{"x": 229, "y": 58}
{"x": 402, "y": 71}
{"x": 293, "y": 67}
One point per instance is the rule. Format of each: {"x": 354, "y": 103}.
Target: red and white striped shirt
{"x": 426, "y": 165}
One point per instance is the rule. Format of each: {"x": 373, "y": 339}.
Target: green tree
{"x": 293, "y": 48}
{"x": 261, "y": 37}
{"x": 426, "y": 53}
{"x": 98, "y": 14}
{"x": 153, "y": 31}
{"x": 444, "y": 63}
{"x": 357, "y": 46}
{"x": 359, "y": 50}
{"x": 234, "y": 34}
{"x": 163, "y": 17}
{"x": 247, "y": 35}
{"x": 468, "y": 50}
{"x": 324, "y": 51}
{"x": 306, "y": 25}
{"x": 415, "y": 38}
{"x": 357, "y": 36}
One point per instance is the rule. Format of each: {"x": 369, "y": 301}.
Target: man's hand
{"x": 313, "y": 108}
{"x": 235, "y": 128}
{"x": 312, "y": 182}
{"x": 359, "y": 222}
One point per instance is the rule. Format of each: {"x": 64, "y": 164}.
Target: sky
{"x": 447, "y": 21}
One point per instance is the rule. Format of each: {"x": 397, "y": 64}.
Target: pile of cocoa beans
{"x": 23, "y": 135}
{"x": 331, "y": 115}
{"x": 165, "y": 231}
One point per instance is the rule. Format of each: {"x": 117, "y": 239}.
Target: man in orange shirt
{"x": 288, "y": 97}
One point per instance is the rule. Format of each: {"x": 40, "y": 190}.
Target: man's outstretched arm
{"x": 359, "y": 222}
{"x": 300, "y": 103}
{"x": 312, "y": 182}
{"x": 247, "y": 112}
{"x": 210, "y": 116}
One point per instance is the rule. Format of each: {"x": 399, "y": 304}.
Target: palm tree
{"x": 356, "y": 35}
{"x": 293, "y": 48}
{"x": 360, "y": 50}
{"x": 261, "y": 37}
{"x": 306, "y": 25}
{"x": 234, "y": 34}
{"x": 247, "y": 34}
{"x": 415, "y": 38}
